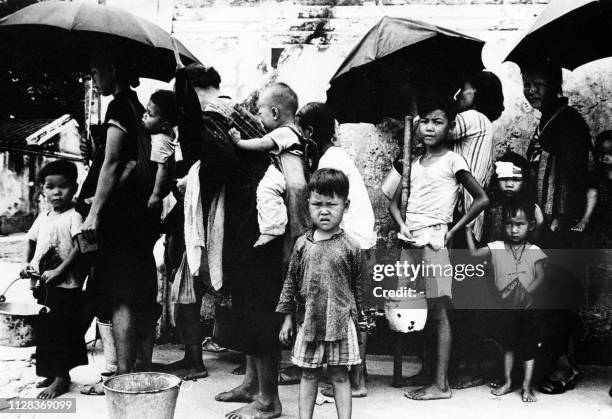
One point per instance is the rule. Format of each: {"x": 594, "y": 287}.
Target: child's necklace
{"x": 517, "y": 259}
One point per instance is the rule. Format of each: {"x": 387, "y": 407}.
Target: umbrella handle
{"x": 177, "y": 55}
{"x": 407, "y": 158}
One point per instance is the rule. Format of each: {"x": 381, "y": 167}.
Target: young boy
{"x": 435, "y": 181}
{"x": 159, "y": 120}
{"x": 53, "y": 253}
{"x": 277, "y": 105}
{"x": 323, "y": 290}
{"x": 519, "y": 271}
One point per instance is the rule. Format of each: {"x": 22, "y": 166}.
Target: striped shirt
{"x": 473, "y": 140}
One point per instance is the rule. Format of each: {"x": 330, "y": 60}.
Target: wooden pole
{"x": 407, "y": 155}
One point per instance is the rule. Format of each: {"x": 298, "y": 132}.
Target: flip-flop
{"x": 209, "y": 346}
{"x": 93, "y": 389}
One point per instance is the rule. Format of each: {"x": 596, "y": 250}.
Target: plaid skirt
{"x": 315, "y": 354}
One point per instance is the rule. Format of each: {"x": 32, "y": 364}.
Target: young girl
{"x": 511, "y": 180}
{"x": 519, "y": 271}
{"x": 53, "y": 252}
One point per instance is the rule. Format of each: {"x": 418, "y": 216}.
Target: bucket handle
{"x": 2, "y": 296}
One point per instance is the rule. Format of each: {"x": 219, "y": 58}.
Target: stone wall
{"x": 238, "y": 37}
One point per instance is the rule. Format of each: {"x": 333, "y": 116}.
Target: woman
{"x": 480, "y": 102}
{"x": 124, "y": 282}
{"x": 559, "y": 154}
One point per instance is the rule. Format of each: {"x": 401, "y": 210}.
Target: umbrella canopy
{"x": 569, "y": 33}
{"x": 395, "y": 60}
{"x": 55, "y": 36}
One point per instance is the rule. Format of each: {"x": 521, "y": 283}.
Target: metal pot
{"x": 18, "y": 322}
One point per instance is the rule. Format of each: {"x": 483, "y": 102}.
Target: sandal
{"x": 94, "y": 389}
{"x": 209, "y": 346}
{"x": 557, "y": 387}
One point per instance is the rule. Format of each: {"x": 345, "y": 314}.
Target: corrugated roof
{"x": 13, "y": 133}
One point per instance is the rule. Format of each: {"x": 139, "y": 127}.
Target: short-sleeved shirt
{"x": 120, "y": 114}
{"x": 507, "y": 268}
{"x": 358, "y": 221}
{"x": 284, "y": 138}
{"x": 162, "y": 147}
{"x": 434, "y": 191}
{"x": 53, "y": 234}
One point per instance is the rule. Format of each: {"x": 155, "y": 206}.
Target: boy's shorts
{"x": 315, "y": 354}
{"x": 432, "y": 254}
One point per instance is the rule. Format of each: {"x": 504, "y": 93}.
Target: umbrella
{"x": 55, "y": 36}
{"x": 569, "y": 33}
{"x": 395, "y": 60}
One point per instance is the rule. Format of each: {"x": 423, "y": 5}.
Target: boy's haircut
{"x": 601, "y": 138}
{"x": 282, "y": 94}
{"x": 203, "y": 77}
{"x": 329, "y": 182}
{"x": 59, "y": 167}
{"x": 319, "y": 116}
{"x": 550, "y": 70}
{"x": 165, "y": 100}
{"x": 520, "y": 204}
{"x": 428, "y": 105}
{"x": 489, "y": 97}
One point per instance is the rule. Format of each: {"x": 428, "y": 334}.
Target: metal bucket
{"x": 18, "y": 322}
{"x": 108, "y": 345}
{"x": 142, "y": 395}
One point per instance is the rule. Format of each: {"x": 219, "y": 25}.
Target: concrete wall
{"x": 237, "y": 38}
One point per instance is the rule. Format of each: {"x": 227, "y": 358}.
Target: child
{"x": 277, "y": 105}
{"x": 316, "y": 122}
{"x": 159, "y": 120}
{"x": 511, "y": 180}
{"x": 519, "y": 270}
{"x": 435, "y": 181}
{"x": 53, "y": 252}
{"x": 323, "y": 289}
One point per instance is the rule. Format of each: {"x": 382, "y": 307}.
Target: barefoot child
{"x": 519, "y": 270}
{"x": 323, "y": 290}
{"x": 53, "y": 252}
{"x": 435, "y": 181}
{"x": 159, "y": 120}
{"x": 277, "y": 105}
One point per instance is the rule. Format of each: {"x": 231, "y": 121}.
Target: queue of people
{"x": 274, "y": 219}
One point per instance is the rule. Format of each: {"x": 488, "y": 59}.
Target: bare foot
{"x": 355, "y": 392}
{"x": 239, "y": 394}
{"x": 194, "y": 373}
{"x": 44, "y": 383}
{"x": 257, "y": 410}
{"x": 431, "y": 392}
{"x": 528, "y": 396}
{"x": 58, "y": 387}
{"x": 466, "y": 381}
{"x": 264, "y": 239}
{"x": 419, "y": 380}
{"x": 502, "y": 389}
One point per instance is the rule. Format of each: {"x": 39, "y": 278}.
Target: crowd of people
{"x": 274, "y": 219}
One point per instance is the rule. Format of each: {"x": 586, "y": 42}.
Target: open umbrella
{"x": 55, "y": 36}
{"x": 569, "y": 33}
{"x": 396, "y": 60}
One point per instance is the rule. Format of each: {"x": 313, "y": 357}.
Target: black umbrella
{"x": 569, "y": 33}
{"x": 59, "y": 37}
{"x": 396, "y": 60}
